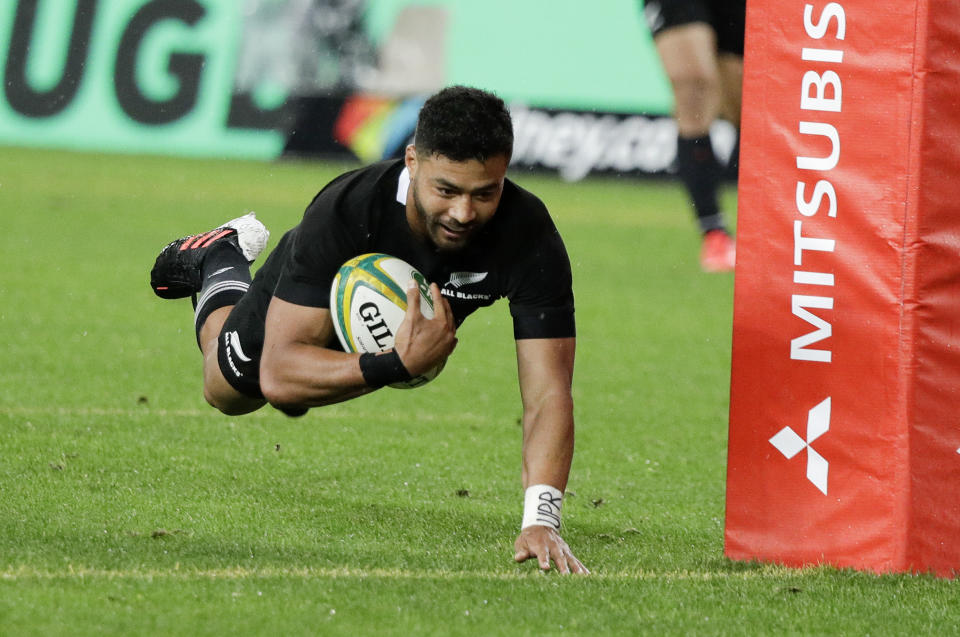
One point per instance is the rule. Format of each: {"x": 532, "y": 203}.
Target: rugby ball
{"x": 368, "y": 301}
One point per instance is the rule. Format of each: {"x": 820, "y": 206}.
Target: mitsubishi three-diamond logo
{"x": 789, "y": 443}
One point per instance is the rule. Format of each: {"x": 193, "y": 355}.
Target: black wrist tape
{"x": 383, "y": 369}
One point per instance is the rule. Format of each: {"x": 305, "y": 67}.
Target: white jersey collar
{"x": 403, "y": 184}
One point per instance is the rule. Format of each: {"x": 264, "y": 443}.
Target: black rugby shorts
{"x": 727, "y": 18}
{"x": 240, "y": 347}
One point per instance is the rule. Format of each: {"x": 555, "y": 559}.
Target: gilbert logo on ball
{"x": 368, "y": 301}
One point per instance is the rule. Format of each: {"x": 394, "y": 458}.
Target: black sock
{"x": 699, "y": 171}
{"x": 226, "y": 277}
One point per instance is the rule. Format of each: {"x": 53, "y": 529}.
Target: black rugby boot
{"x": 176, "y": 274}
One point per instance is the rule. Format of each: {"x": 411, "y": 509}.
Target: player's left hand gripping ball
{"x": 368, "y": 302}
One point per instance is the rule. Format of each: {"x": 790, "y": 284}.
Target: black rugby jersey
{"x": 518, "y": 254}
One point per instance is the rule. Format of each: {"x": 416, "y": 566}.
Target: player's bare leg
{"x": 689, "y": 57}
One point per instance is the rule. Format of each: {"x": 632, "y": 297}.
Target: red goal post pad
{"x": 844, "y": 444}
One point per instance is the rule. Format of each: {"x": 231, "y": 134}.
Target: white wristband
{"x": 541, "y": 506}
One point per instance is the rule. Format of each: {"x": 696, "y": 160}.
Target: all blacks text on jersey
{"x": 451, "y": 289}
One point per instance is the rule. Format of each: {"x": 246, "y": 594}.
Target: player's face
{"x": 450, "y": 201}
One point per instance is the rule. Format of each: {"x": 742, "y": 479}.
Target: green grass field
{"x": 128, "y": 507}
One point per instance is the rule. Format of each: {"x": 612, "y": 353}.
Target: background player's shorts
{"x": 727, "y": 17}
{"x": 240, "y": 347}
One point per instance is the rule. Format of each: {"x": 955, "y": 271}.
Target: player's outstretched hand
{"x": 424, "y": 343}
{"x": 545, "y": 545}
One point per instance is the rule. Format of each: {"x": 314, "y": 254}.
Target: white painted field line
{"x": 391, "y": 416}
{"x": 101, "y": 411}
{"x": 23, "y": 572}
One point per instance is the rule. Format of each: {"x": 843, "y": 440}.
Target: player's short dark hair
{"x": 463, "y": 123}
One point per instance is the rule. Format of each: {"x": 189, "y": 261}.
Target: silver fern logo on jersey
{"x": 460, "y": 279}
{"x": 451, "y": 288}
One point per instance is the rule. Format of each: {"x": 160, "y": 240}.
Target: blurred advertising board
{"x": 330, "y": 78}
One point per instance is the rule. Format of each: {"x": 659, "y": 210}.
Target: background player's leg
{"x": 731, "y": 81}
{"x": 730, "y": 66}
{"x": 689, "y": 56}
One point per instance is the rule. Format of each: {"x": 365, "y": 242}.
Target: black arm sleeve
{"x": 540, "y": 283}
